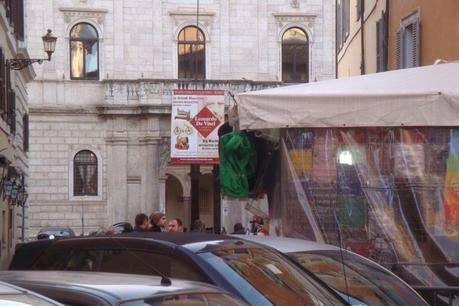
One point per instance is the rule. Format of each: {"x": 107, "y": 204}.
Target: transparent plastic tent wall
{"x": 391, "y": 193}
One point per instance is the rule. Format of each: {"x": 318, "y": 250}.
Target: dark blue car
{"x": 258, "y": 274}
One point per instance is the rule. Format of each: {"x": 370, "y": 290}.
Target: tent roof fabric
{"x": 422, "y": 96}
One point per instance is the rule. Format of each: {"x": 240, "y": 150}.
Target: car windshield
{"x": 367, "y": 283}
{"x": 265, "y": 277}
{"x": 189, "y": 299}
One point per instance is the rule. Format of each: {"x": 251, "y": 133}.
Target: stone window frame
{"x": 308, "y": 48}
{"x": 193, "y": 42}
{"x": 84, "y": 40}
{"x": 92, "y": 16}
{"x": 208, "y": 47}
{"x": 288, "y": 23}
{"x": 71, "y": 158}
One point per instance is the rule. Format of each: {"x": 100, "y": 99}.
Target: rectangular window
{"x": 15, "y": 14}
{"x": 11, "y": 119}
{"x": 17, "y": 18}
{"x": 342, "y": 22}
{"x": 4, "y": 227}
{"x": 25, "y": 129}
{"x": 5, "y": 90}
{"x": 10, "y": 228}
{"x": 346, "y": 19}
{"x": 381, "y": 44}
{"x": 358, "y": 9}
{"x": 338, "y": 27}
{"x": 2, "y": 83}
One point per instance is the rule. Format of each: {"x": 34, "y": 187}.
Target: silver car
{"x": 15, "y": 296}
{"x": 357, "y": 279}
{"x": 106, "y": 289}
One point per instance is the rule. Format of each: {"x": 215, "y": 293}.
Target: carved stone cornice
{"x": 160, "y": 91}
{"x": 63, "y": 110}
{"x": 71, "y": 13}
{"x": 184, "y": 14}
{"x": 116, "y": 140}
{"x": 150, "y": 139}
{"x": 294, "y": 17}
{"x": 295, "y": 4}
{"x": 126, "y": 110}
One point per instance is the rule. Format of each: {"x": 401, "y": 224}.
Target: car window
{"x": 367, "y": 283}
{"x": 122, "y": 261}
{"x": 259, "y": 272}
{"x": 191, "y": 299}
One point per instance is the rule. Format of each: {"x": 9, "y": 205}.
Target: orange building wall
{"x": 439, "y": 28}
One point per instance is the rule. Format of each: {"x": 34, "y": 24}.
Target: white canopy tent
{"x": 422, "y": 96}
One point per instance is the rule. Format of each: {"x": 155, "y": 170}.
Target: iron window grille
{"x": 85, "y": 172}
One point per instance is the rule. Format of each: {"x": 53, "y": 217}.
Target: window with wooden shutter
{"x": 15, "y": 14}
{"x": 398, "y": 43}
{"x": 381, "y": 44}
{"x": 18, "y": 19}
{"x": 358, "y": 9}
{"x": 2, "y": 83}
{"x": 12, "y": 112}
{"x": 25, "y": 135}
{"x": 408, "y": 42}
{"x": 6, "y": 91}
{"x": 346, "y": 14}
{"x": 339, "y": 26}
{"x": 8, "y": 8}
{"x": 416, "y": 45}
{"x": 342, "y": 22}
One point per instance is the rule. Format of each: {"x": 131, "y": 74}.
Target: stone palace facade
{"x": 100, "y": 110}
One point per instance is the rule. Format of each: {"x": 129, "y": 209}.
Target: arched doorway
{"x": 175, "y": 204}
{"x": 206, "y": 199}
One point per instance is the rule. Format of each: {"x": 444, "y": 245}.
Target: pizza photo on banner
{"x": 195, "y": 118}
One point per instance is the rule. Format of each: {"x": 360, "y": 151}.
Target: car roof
{"x": 11, "y": 290}
{"x": 288, "y": 245}
{"x": 178, "y": 238}
{"x": 118, "y": 286}
{"x": 45, "y": 229}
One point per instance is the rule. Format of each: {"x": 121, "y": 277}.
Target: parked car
{"x": 54, "y": 232}
{"x": 107, "y": 289}
{"x": 257, "y": 274}
{"x": 11, "y": 295}
{"x": 123, "y": 227}
{"x": 362, "y": 281}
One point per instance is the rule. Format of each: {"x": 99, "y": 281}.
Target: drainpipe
{"x": 23, "y": 224}
{"x": 362, "y": 37}
{"x": 336, "y": 39}
{"x": 387, "y": 36}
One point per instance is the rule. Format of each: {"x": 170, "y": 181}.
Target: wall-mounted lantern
{"x": 49, "y": 45}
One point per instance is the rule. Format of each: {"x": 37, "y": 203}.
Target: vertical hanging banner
{"x": 195, "y": 118}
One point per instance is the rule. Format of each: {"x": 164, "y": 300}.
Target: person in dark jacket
{"x": 141, "y": 223}
{"x": 238, "y": 229}
{"x": 197, "y": 226}
{"x": 158, "y": 222}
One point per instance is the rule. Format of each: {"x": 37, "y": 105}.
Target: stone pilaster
{"x": 117, "y": 178}
{"x": 150, "y": 186}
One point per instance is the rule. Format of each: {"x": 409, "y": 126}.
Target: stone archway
{"x": 206, "y": 199}
{"x": 176, "y": 205}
